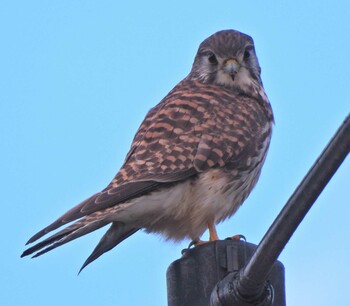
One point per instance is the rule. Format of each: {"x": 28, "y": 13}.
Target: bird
{"x": 193, "y": 161}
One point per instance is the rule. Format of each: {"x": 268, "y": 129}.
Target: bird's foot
{"x": 199, "y": 242}
{"x": 237, "y": 238}
{"x": 194, "y": 243}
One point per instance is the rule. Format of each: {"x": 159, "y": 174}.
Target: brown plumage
{"x": 194, "y": 160}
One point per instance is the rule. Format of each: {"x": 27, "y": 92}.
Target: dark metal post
{"x": 192, "y": 278}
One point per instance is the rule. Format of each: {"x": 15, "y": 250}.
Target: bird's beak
{"x": 231, "y": 66}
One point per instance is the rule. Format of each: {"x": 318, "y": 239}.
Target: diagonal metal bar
{"x": 253, "y": 276}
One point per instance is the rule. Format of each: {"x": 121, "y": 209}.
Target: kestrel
{"x": 194, "y": 160}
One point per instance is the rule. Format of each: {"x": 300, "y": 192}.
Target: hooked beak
{"x": 231, "y": 66}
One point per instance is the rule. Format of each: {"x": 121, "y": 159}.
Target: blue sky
{"x": 77, "y": 78}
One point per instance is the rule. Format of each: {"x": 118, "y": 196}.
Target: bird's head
{"x": 227, "y": 58}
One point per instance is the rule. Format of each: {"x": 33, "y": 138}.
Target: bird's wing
{"x": 193, "y": 128}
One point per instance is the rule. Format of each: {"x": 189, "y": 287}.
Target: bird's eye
{"x": 247, "y": 52}
{"x": 212, "y": 59}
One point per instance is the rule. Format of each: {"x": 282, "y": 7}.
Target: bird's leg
{"x": 213, "y": 235}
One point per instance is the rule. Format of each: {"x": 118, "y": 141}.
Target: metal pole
{"x": 249, "y": 286}
{"x": 294, "y": 211}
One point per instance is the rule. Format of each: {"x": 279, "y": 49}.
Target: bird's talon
{"x": 238, "y": 237}
{"x": 192, "y": 244}
{"x": 183, "y": 251}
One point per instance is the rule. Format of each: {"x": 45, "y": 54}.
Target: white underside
{"x": 184, "y": 210}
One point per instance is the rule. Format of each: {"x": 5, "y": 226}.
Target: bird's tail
{"x": 115, "y": 234}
